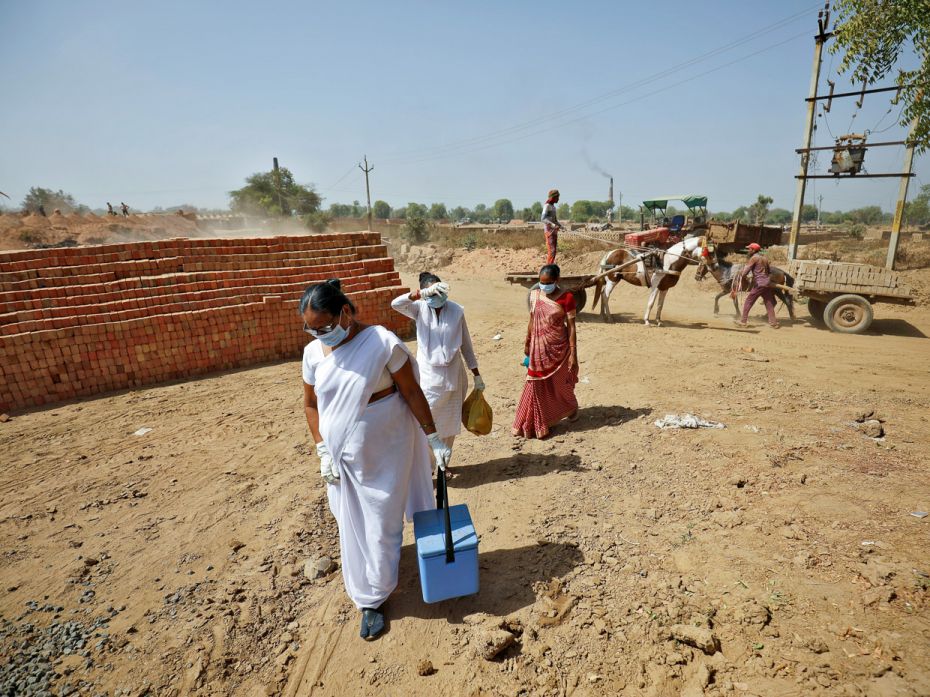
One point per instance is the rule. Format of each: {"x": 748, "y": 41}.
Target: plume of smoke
{"x": 593, "y": 165}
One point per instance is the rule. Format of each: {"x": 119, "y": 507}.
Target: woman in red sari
{"x": 552, "y": 350}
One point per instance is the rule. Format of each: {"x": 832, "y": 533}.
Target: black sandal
{"x": 372, "y": 624}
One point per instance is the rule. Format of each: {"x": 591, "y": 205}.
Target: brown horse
{"x": 674, "y": 261}
{"x": 725, "y": 272}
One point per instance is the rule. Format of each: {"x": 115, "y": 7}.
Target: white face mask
{"x": 334, "y": 336}
{"x": 437, "y": 301}
{"x": 547, "y": 288}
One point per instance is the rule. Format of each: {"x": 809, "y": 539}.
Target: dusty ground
{"x": 786, "y": 540}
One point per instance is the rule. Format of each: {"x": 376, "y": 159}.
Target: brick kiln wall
{"x": 80, "y": 321}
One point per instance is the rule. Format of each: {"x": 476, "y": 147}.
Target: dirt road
{"x": 780, "y": 551}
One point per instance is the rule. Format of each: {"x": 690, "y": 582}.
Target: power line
{"x": 348, "y": 172}
{"x": 420, "y": 152}
{"x": 609, "y": 108}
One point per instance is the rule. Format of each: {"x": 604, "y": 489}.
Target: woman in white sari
{"x": 442, "y": 342}
{"x": 373, "y": 432}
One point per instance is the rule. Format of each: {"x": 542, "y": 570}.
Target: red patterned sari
{"x": 549, "y": 393}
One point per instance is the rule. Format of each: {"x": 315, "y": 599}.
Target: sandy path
{"x": 200, "y": 527}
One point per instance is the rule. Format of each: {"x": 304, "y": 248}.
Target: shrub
{"x": 416, "y": 230}
{"x": 856, "y": 231}
{"x": 317, "y": 221}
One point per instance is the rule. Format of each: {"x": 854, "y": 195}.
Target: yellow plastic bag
{"x": 477, "y": 416}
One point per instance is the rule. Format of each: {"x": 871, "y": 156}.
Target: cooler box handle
{"x": 442, "y": 501}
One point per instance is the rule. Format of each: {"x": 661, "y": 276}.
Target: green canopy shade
{"x": 690, "y": 200}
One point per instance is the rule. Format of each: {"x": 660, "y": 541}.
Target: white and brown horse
{"x": 674, "y": 261}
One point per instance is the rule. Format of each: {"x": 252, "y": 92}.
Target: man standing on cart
{"x": 761, "y": 270}
{"x": 551, "y": 225}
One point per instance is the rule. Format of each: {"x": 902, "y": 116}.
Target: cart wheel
{"x": 848, "y": 314}
{"x": 581, "y": 298}
{"x": 816, "y": 308}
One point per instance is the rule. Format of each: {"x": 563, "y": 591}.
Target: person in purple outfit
{"x": 761, "y": 270}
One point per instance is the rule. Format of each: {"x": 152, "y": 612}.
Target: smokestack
{"x": 610, "y": 196}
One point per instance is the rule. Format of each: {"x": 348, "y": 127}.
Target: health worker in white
{"x": 443, "y": 342}
{"x": 374, "y": 434}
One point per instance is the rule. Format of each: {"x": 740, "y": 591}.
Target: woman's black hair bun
{"x": 335, "y": 283}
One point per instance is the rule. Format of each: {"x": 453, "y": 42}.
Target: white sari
{"x": 443, "y": 341}
{"x": 382, "y": 455}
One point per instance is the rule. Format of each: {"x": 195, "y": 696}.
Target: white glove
{"x": 437, "y": 288}
{"x": 327, "y": 466}
{"x": 441, "y": 451}
{"x": 479, "y": 383}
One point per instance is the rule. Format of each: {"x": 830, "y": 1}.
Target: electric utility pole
{"x": 366, "y": 169}
{"x": 823, "y": 24}
{"x": 819, "y": 208}
{"x": 902, "y": 194}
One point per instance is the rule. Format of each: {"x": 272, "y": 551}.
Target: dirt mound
{"x": 10, "y": 222}
{"x": 28, "y": 231}
{"x": 38, "y": 222}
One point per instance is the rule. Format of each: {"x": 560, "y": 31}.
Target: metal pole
{"x": 366, "y": 169}
{"x": 902, "y": 197}
{"x": 823, "y": 22}
{"x": 819, "y": 208}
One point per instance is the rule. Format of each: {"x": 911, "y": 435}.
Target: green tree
{"x": 50, "y": 200}
{"x": 563, "y": 210}
{"x": 340, "y": 210}
{"x": 917, "y": 212}
{"x": 481, "y": 213}
{"x": 275, "y": 194}
{"x": 536, "y": 211}
{"x": 759, "y": 210}
{"x": 629, "y": 213}
{"x": 438, "y": 211}
{"x": 808, "y": 213}
{"x": 358, "y": 210}
{"x": 381, "y": 209}
{"x": 502, "y": 209}
{"x": 399, "y": 213}
{"x": 869, "y": 215}
{"x": 582, "y": 210}
{"x": 872, "y": 35}
{"x": 587, "y": 210}
{"x": 460, "y": 212}
{"x": 779, "y": 216}
{"x": 416, "y": 210}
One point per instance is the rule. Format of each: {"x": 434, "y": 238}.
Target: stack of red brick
{"x": 83, "y": 320}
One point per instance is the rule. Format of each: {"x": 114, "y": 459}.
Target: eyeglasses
{"x": 320, "y": 331}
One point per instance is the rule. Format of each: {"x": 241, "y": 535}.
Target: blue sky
{"x": 169, "y": 102}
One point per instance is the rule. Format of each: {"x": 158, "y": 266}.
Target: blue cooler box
{"x": 441, "y": 579}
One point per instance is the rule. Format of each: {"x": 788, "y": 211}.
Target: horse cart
{"x": 729, "y": 237}
{"x": 576, "y": 284}
{"x": 840, "y": 295}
